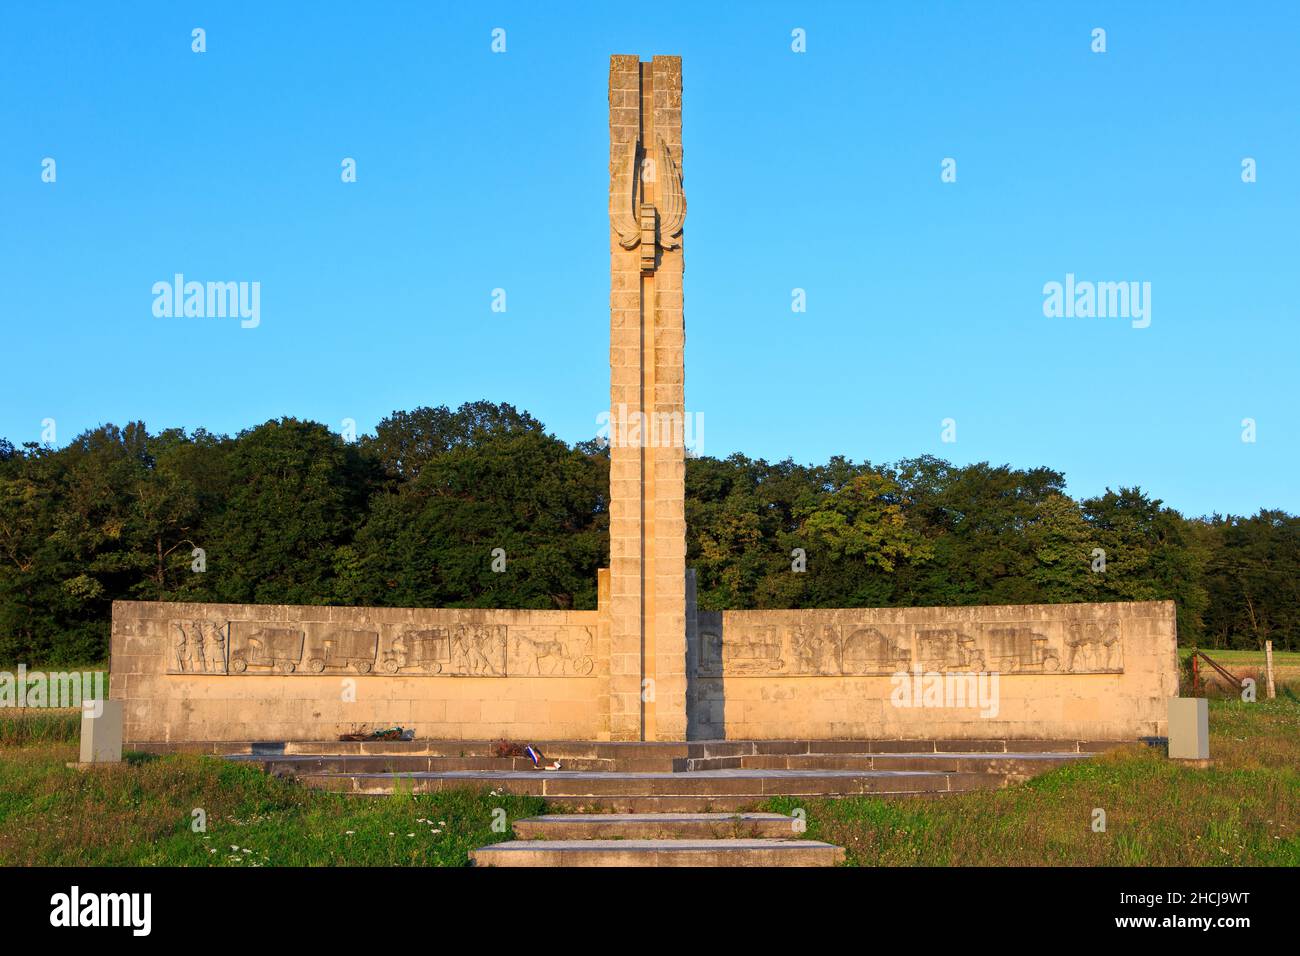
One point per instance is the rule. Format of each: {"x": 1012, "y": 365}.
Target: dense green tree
{"x": 289, "y": 512}
{"x": 431, "y": 542}
{"x": 296, "y": 493}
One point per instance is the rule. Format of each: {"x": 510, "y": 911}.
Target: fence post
{"x": 1268, "y": 668}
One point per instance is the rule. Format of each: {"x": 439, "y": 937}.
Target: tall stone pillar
{"x": 647, "y": 682}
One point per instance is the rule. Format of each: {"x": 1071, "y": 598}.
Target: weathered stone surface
{"x": 647, "y": 403}
{"x": 656, "y": 826}
{"x": 1189, "y": 729}
{"x": 101, "y": 732}
{"x": 312, "y": 673}
{"x": 658, "y": 853}
{"x": 648, "y": 665}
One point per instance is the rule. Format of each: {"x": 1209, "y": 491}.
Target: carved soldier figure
{"x": 181, "y": 647}
{"x": 217, "y": 651}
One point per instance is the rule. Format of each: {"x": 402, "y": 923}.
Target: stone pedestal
{"x": 101, "y": 732}
{"x": 1189, "y": 728}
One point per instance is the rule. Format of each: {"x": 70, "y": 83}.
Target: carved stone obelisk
{"x": 647, "y": 670}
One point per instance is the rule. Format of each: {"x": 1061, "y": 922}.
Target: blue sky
{"x": 818, "y": 171}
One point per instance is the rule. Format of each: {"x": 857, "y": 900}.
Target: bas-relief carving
{"x": 546, "y": 651}
{"x": 1045, "y": 647}
{"x": 453, "y": 650}
{"x": 198, "y": 647}
{"x": 637, "y": 221}
{"x": 265, "y": 648}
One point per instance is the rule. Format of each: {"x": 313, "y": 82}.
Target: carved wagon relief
{"x": 550, "y": 651}
{"x": 868, "y": 650}
{"x": 947, "y": 649}
{"x": 812, "y": 649}
{"x": 754, "y": 650}
{"x": 424, "y": 650}
{"x": 452, "y": 650}
{"x": 319, "y": 647}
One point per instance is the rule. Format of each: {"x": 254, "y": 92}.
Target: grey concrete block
{"x": 101, "y": 732}
{"x": 1189, "y": 728}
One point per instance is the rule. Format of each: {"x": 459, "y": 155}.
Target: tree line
{"x": 290, "y": 513}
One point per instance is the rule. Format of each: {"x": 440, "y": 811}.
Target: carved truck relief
{"x": 343, "y": 649}
{"x": 265, "y": 648}
{"x": 808, "y": 647}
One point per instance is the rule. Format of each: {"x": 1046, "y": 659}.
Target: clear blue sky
{"x": 818, "y": 170}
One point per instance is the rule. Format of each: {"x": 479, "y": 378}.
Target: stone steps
{"x": 303, "y": 764}
{"x": 623, "y": 750}
{"x": 1018, "y": 765}
{"x": 667, "y": 777}
{"x": 700, "y": 790}
{"x": 725, "y": 852}
{"x": 656, "y": 826}
{"x": 1013, "y": 766}
{"x": 658, "y": 839}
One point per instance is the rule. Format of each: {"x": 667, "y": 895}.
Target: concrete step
{"x": 623, "y": 750}
{"x": 1019, "y": 766}
{"x": 645, "y": 803}
{"x": 1014, "y": 766}
{"x": 724, "y": 852}
{"x": 598, "y": 789}
{"x": 655, "y": 826}
{"x": 299, "y": 764}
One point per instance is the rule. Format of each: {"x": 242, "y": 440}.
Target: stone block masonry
{"x": 187, "y": 673}
{"x": 647, "y": 665}
{"x": 224, "y": 672}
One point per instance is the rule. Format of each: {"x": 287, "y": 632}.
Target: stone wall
{"x": 191, "y": 673}
{"x": 1083, "y": 671}
{"x": 225, "y": 672}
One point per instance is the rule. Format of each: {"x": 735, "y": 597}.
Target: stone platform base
{"x": 670, "y": 777}
{"x": 665, "y": 804}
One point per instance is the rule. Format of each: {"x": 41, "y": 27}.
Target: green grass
{"x": 18, "y": 728}
{"x": 141, "y": 813}
{"x": 1254, "y": 657}
{"x": 1242, "y": 811}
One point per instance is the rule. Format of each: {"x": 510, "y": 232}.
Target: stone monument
{"x": 646, "y": 664}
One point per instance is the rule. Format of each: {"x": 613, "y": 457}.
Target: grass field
{"x": 1245, "y": 810}
{"x": 1243, "y": 664}
{"x": 141, "y": 813}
